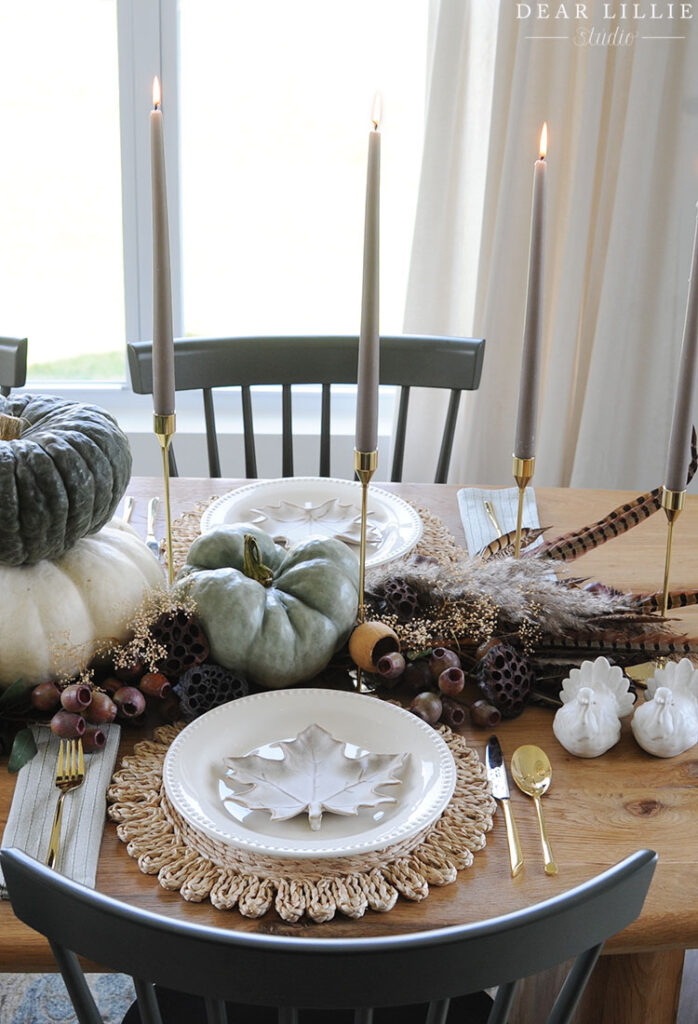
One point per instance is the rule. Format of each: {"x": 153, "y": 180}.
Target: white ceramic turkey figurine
{"x": 667, "y": 723}
{"x": 594, "y": 699}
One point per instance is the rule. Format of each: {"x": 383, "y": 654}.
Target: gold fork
{"x": 492, "y": 516}
{"x": 70, "y": 772}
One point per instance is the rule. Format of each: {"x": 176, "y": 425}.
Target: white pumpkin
{"x": 54, "y": 615}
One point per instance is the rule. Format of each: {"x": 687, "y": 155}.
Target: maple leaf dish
{"x": 316, "y": 775}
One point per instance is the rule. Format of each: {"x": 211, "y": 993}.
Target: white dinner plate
{"x": 197, "y": 785}
{"x": 299, "y": 508}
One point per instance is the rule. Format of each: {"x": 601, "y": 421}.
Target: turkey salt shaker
{"x": 594, "y": 699}
{"x": 667, "y": 723}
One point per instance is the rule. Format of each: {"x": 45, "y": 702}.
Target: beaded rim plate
{"x": 194, "y": 772}
{"x": 303, "y": 507}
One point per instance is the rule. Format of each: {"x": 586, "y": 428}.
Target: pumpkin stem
{"x": 10, "y": 427}
{"x": 252, "y": 564}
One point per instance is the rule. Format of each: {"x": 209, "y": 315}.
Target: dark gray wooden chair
{"x": 13, "y": 364}
{"x": 406, "y": 361}
{"x": 234, "y": 972}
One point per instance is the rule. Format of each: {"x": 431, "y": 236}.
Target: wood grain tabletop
{"x": 597, "y": 811}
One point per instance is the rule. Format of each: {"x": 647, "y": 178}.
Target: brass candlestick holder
{"x": 523, "y": 474}
{"x": 673, "y": 503}
{"x": 164, "y": 427}
{"x": 365, "y": 464}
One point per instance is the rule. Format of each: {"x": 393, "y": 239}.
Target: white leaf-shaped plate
{"x": 195, "y": 776}
{"x": 299, "y": 508}
{"x": 315, "y": 775}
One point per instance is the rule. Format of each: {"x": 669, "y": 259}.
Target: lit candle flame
{"x": 376, "y": 110}
{"x": 543, "y": 149}
{"x": 157, "y": 95}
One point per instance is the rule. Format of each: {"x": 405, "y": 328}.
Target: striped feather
{"x": 676, "y": 599}
{"x": 504, "y": 545}
{"x": 620, "y": 520}
{"x": 579, "y": 647}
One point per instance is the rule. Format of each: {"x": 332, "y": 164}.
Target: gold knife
{"x": 497, "y": 774}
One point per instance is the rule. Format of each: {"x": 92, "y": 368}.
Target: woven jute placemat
{"x": 200, "y": 868}
{"x": 436, "y": 537}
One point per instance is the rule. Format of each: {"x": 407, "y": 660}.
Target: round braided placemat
{"x": 199, "y": 867}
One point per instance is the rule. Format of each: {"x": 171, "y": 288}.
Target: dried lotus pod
{"x": 401, "y": 598}
{"x": 183, "y": 639}
{"x": 203, "y": 687}
{"x": 505, "y": 678}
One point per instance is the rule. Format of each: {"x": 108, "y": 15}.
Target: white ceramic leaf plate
{"x": 303, "y": 507}
{"x": 196, "y": 783}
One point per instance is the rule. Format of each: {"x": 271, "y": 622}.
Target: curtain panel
{"x": 621, "y": 204}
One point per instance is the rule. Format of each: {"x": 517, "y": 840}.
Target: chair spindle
{"x": 76, "y": 984}
{"x": 148, "y": 1006}
{"x": 503, "y": 1002}
{"x": 437, "y": 1013}
{"x": 325, "y": 429}
{"x": 447, "y": 438}
{"x": 216, "y": 1012}
{"x": 400, "y": 433}
{"x": 574, "y": 985}
{"x": 286, "y": 431}
{"x": 214, "y": 462}
{"x": 248, "y": 430}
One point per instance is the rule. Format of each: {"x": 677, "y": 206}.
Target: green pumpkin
{"x": 275, "y": 616}
{"x": 64, "y": 467}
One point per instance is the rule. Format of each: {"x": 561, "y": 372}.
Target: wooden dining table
{"x": 598, "y": 810}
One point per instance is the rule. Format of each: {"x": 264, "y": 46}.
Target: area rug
{"x": 42, "y": 998}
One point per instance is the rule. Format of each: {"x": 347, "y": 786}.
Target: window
{"x": 267, "y": 110}
{"x": 275, "y": 111}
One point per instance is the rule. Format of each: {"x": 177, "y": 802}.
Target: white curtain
{"x": 622, "y": 190}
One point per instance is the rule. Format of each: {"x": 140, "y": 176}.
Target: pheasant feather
{"x": 620, "y": 520}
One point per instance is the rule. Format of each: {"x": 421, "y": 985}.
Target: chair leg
{"x": 288, "y": 1015}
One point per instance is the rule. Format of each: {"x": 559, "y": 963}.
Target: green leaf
{"x": 23, "y": 750}
{"x": 14, "y": 698}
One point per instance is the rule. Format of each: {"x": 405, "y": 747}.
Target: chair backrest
{"x": 222, "y": 964}
{"x": 13, "y": 364}
{"x": 406, "y": 361}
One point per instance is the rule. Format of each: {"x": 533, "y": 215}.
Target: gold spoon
{"x": 533, "y": 773}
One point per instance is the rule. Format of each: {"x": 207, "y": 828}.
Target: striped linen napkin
{"x": 479, "y": 530}
{"x": 34, "y": 803}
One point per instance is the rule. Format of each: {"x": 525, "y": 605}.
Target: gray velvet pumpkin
{"x": 60, "y": 479}
{"x": 273, "y": 615}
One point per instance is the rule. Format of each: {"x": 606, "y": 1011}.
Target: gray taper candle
{"x": 163, "y": 349}
{"x": 525, "y": 437}
{"x": 680, "y": 437}
{"x": 369, "y": 339}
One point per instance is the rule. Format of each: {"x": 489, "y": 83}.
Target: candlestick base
{"x": 673, "y": 503}
{"x": 365, "y": 464}
{"x": 523, "y": 474}
{"x": 164, "y": 428}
